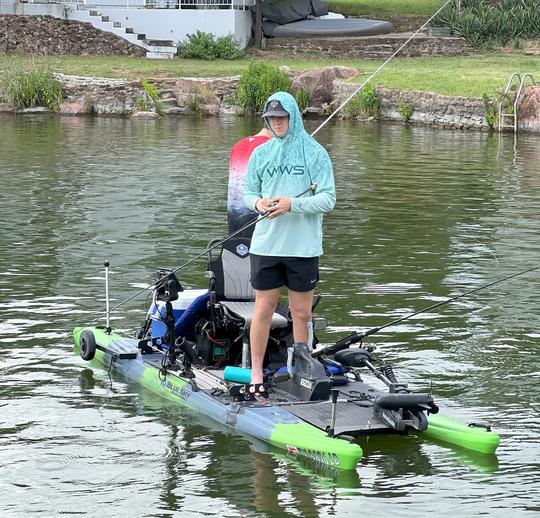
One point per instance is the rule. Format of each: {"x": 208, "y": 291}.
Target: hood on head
{"x": 295, "y": 117}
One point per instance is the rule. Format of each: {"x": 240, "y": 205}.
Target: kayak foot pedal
{"x": 121, "y": 349}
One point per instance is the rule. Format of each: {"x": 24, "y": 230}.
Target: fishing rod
{"x": 162, "y": 280}
{"x": 260, "y": 217}
{"x": 344, "y": 103}
{"x": 356, "y": 337}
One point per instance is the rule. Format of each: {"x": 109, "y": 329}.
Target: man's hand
{"x": 278, "y": 206}
{"x": 262, "y": 205}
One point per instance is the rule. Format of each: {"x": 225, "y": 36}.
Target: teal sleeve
{"x": 252, "y": 187}
{"x": 324, "y": 199}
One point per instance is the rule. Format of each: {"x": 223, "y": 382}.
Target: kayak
{"x": 193, "y": 349}
{"x": 303, "y": 414}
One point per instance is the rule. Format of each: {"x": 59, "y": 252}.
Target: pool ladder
{"x": 516, "y": 83}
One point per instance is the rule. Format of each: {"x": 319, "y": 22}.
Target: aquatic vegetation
{"x": 302, "y": 98}
{"x": 30, "y": 88}
{"x": 405, "y": 111}
{"x": 365, "y": 104}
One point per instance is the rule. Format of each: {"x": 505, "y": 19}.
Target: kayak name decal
{"x": 182, "y": 393}
{"x": 280, "y": 170}
{"x": 328, "y": 459}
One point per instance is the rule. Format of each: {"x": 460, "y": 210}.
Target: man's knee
{"x": 301, "y": 313}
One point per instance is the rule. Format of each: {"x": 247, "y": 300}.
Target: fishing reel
{"x": 167, "y": 285}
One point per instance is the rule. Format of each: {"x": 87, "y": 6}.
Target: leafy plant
{"x": 150, "y": 99}
{"x": 67, "y": 11}
{"x": 405, "y": 111}
{"x": 257, "y": 83}
{"x": 365, "y": 104}
{"x": 485, "y": 23}
{"x": 194, "y": 105}
{"x": 29, "y": 88}
{"x": 491, "y": 111}
{"x": 302, "y": 98}
{"x": 204, "y": 45}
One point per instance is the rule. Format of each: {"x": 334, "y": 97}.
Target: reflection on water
{"x": 422, "y": 215}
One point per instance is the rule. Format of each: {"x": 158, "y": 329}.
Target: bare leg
{"x": 300, "y": 303}
{"x": 265, "y": 305}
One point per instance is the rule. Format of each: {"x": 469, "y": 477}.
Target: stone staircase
{"x": 155, "y": 49}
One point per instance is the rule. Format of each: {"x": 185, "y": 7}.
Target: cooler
{"x": 157, "y": 310}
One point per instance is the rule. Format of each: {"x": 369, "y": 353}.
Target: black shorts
{"x": 297, "y": 273}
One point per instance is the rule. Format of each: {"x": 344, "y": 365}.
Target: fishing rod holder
{"x": 108, "y": 328}
{"x": 167, "y": 285}
{"x": 334, "y": 398}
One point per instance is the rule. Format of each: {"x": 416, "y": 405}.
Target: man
{"x": 285, "y": 246}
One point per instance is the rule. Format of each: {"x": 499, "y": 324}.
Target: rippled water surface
{"x": 423, "y": 214}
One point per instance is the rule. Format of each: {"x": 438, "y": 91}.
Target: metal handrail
{"x": 518, "y": 95}
{"x": 522, "y": 79}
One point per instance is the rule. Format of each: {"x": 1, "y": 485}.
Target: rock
{"x": 145, "y": 115}
{"x": 36, "y": 109}
{"x": 320, "y": 83}
{"x": 212, "y": 109}
{"x": 74, "y": 108}
{"x": 529, "y": 109}
{"x": 287, "y": 71}
{"x": 175, "y": 110}
{"x": 46, "y": 35}
{"x": 209, "y": 91}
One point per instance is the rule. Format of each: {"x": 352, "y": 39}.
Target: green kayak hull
{"x": 451, "y": 431}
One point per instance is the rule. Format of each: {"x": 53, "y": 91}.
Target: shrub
{"x": 194, "y": 104}
{"x": 27, "y": 89}
{"x": 204, "y": 45}
{"x": 150, "y": 99}
{"x": 302, "y": 98}
{"x": 257, "y": 83}
{"x": 491, "y": 111}
{"x": 405, "y": 111}
{"x": 485, "y": 23}
{"x": 364, "y": 104}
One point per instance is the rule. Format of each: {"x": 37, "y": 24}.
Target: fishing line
{"x": 357, "y": 337}
{"x": 342, "y": 105}
{"x": 162, "y": 280}
{"x": 259, "y": 218}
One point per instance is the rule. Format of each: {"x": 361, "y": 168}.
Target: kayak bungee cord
{"x": 342, "y": 105}
{"x": 356, "y": 337}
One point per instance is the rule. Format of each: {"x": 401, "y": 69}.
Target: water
{"x": 423, "y": 214}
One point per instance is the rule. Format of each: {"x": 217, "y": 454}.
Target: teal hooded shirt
{"x": 286, "y": 167}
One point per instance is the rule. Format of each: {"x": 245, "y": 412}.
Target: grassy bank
{"x": 468, "y": 76}
{"x": 384, "y": 7}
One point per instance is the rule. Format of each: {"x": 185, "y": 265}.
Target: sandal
{"x": 256, "y": 390}
{"x": 249, "y": 392}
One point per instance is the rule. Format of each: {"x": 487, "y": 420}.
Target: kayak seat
{"x": 230, "y": 280}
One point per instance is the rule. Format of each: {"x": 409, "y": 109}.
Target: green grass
{"x": 384, "y": 7}
{"x": 468, "y": 76}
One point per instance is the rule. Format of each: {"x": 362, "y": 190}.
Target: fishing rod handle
{"x": 344, "y": 343}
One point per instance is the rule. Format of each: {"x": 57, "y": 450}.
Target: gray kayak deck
{"x": 354, "y": 414}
